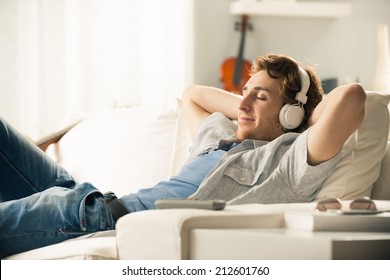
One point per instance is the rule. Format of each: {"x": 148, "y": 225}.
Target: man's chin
{"x": 242, "y": 135}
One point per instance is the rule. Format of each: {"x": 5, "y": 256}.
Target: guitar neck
{"x": 240, "y": 56}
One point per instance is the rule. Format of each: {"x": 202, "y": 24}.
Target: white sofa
{"x": 124, "y": 149}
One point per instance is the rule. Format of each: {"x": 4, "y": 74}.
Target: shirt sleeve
{"x": 301, "y": 177}
{"x": 214, "y": 128}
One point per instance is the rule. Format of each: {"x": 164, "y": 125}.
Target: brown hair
{"x": 285, "y": 68}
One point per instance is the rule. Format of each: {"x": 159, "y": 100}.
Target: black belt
{"x": 115, "y": 205}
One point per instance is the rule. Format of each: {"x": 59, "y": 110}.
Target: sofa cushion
{"x": 362, "y": 154}
{"x": 381, "y": 189}
{"x": 125, "y": 149}
{"x": 95, "y": 246}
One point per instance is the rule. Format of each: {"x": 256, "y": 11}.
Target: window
{"x": 66, "y": 57}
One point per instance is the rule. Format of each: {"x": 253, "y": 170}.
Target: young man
{"x": 267, "y": 156}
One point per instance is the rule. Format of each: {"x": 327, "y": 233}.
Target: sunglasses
{"x": 360, "y": 205}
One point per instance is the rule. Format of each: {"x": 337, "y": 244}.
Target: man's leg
{"x": 24, "y": 168}
{"x": 52, "y": 216}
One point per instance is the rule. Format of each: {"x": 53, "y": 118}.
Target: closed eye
{"x": 257, "y": 92}
{"x": 262, "y": 97}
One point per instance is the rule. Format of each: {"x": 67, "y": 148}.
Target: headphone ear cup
{"x": 291, "y": 116}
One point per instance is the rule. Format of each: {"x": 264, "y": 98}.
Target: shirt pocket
{"x": 242, "y": 175}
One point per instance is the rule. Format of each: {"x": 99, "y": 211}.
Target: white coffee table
{"x": 281, "y": 243}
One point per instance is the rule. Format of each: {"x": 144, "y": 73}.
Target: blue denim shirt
{"x": 258, "y": 171}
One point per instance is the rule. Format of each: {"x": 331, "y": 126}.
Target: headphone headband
{"x": 305, "y": 84}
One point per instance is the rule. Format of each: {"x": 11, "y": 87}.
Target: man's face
{"x": 258, "y": 114}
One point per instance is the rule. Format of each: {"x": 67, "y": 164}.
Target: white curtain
{"x": 61, "y": 58}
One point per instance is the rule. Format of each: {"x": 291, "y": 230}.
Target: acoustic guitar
{"x": 235, "y": 70}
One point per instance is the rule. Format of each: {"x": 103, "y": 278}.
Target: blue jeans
{"x": 41, "y": 204}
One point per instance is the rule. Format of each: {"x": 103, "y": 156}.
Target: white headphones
{"x": 291, "y": 115}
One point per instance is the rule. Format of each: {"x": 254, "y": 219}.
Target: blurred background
{"x": 63, "y": 58}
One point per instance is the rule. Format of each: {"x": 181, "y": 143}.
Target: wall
{"x": 344, "y": 47}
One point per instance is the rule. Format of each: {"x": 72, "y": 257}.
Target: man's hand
{"x": 201, "y": 101}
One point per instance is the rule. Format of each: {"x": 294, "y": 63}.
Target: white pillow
{"x": 381, "y": 189}
{"x": 362, "y": 154}
{"x": 125, "y": 149}
{"x": 182, "y": 141}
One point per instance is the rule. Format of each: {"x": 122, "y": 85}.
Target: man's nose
{"x": 245, "y": 103}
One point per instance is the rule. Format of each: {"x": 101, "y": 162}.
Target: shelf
{"x": 291, "y": 8}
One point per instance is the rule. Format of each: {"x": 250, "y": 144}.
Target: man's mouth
{"x": 245, "y": 119}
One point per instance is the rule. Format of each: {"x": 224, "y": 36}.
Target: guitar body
{"x": 228, "y": 68}
{"x": 235, "y": 70}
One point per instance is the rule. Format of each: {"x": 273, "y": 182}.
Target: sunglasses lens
{"x": 329, "y": 203}
{"x": 363, "y": 204}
